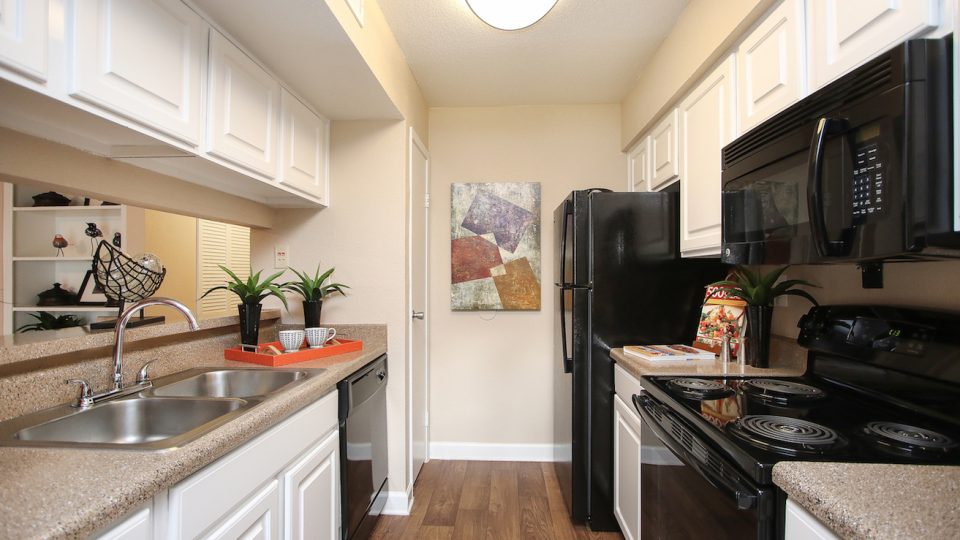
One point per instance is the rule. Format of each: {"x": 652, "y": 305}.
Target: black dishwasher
{"x": 363, "y": 448}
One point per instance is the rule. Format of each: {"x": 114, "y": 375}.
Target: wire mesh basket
{"x": 122, "y": 278}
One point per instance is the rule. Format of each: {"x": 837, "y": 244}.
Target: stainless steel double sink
{"x": 175, "y": 410}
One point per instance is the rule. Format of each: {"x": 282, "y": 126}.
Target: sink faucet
{"x": 122, "y": 326}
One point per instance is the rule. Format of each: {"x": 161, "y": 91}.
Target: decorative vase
{"x": 311, "y": 313}
{"x": 758, "y": 332}
{"x": 249, "y": 325}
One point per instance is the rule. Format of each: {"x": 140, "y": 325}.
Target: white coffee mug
{"x": 318, "y": 337}
{"x": 291, "y": 340}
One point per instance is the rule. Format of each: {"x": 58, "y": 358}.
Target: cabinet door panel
{"x": 23, "y": 37}
{"x": 244, "y": 107}
{"x": 626, "y": 478}
{"x": 257, "y": 519}
{"x": 771, "y": 72}
{"x": 640, "y": 169}
{"x": 845, "y": 33}
{"x": 142, "y": 59}
{"x": 663, "y": 152}
{"x": 137, "y": 525}
{"x": 311, "y": 491}
{"x": 304, "y": 146}
{"x": 706, "y": 126}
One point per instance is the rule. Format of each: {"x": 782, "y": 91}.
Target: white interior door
{"x": 419, "y": 321}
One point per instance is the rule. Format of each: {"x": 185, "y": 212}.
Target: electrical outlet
{"x": 281, "y": 257}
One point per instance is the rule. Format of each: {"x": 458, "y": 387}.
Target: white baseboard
{"x": 492, "y": 451}
{"x": 398, "y": 503}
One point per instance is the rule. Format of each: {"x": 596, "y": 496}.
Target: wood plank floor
{"x": 493, "y": 500}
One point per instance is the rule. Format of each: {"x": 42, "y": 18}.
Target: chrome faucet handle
{"x": 85, "y": 399}
{"x": 143, "y": 375}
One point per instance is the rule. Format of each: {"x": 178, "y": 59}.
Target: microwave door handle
{"x": 745, "y": 496}
{"x": 815, "y": 202}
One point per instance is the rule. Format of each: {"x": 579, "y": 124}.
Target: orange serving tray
{"x": 303, "y": 355}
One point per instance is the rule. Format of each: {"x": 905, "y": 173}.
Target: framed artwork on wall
{"x": 495, "y": 246}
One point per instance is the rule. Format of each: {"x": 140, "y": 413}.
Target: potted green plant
{"x": 48, "y": 321}
{"x": 251, "y": 293}
{"x": 759, "y": 290}
{"x": 313, "y": 289}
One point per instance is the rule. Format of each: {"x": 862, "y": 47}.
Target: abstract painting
{"x": 495, "y": 246}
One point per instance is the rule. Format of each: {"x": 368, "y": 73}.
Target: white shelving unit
{"x": 30, "y": 262}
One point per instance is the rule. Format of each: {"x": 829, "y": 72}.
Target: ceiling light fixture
{"x": 511, "y": 14}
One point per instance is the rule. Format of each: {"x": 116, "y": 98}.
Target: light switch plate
{"x": 281, "y": 256}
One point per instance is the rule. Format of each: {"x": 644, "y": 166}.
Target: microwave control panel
{"x": 868, "y": 177}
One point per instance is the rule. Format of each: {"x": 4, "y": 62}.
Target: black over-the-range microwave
{"x": 860, "y": 170}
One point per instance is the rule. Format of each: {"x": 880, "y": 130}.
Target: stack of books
{"x": 668, "y": 353}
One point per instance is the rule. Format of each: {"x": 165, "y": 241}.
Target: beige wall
{"x": 379, "y": 48}
{"x": 704, "y": 31}
{"x": 362, "y": 234}
{"x": 917, "y": 284}
{"x": 173, "y": 238}
{"x": 491, "y": 373}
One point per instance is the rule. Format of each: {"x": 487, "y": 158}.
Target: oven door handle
{"x": 745, "y": 496}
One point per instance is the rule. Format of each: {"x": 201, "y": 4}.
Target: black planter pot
{"x": 311, "y": 313}
{"x": 249, "y": 324}
{"x": 759, "y": 319}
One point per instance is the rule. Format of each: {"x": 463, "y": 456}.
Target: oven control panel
{"x": 868, "y": 180}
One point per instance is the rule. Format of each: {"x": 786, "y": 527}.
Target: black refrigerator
{"x": 619, "y": 280}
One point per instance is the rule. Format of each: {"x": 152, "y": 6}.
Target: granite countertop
{"x": 71, "y": 493}
{"x": 787, "y": 359}
{"x": 869, "y": 500}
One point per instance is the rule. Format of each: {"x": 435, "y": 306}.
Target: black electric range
{"x": 882, "y": 386}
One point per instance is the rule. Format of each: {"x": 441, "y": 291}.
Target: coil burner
{"x": 782, "y": 392}
{"x": 909, "y": 441}
{"x": 785, "y": 435}
{"x": 700, "y": 389}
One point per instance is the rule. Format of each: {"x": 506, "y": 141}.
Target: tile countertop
{"x": 869, "y": 500}
{"x": 71, "y": 493}
{"x": 787, "y": 359}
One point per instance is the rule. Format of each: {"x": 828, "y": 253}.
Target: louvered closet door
{"x": 220, "y": 244}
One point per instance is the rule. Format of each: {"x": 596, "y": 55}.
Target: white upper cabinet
{"x": 842, "y": 34}
{"x": 639, "y": 169}
{"x": 23, "y": 37}
{"x": 244, "y": 103}
{"x": 707, "y": 124}
{"x": 771, "y": 69}
{"x": 142, "y": 59}
{"x": 663, "y": 153}
{"x": 303, "y": 143}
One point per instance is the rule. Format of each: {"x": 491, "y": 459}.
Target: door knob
{"x": 418, "y": 315}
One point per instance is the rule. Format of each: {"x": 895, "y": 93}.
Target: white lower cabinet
{"x": 283, "y": 484}
{"x": 137, "y": 525}
{"x": 257, "y": 519}
{"x": 626, "y": 468}
{"x": 707, "y": 124}
{"x": 311, "y": 493}
{"x": 801, "y": 525}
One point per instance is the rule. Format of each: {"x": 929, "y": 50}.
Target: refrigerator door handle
{"x": 566, "y": 360}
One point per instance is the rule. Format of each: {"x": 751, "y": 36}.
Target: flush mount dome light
{"x": 511, "y": 14}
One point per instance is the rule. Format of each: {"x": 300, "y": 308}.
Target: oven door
{"x": 688, "y": 489}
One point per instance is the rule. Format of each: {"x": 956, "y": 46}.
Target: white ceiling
{"x": 583, "y": 51}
